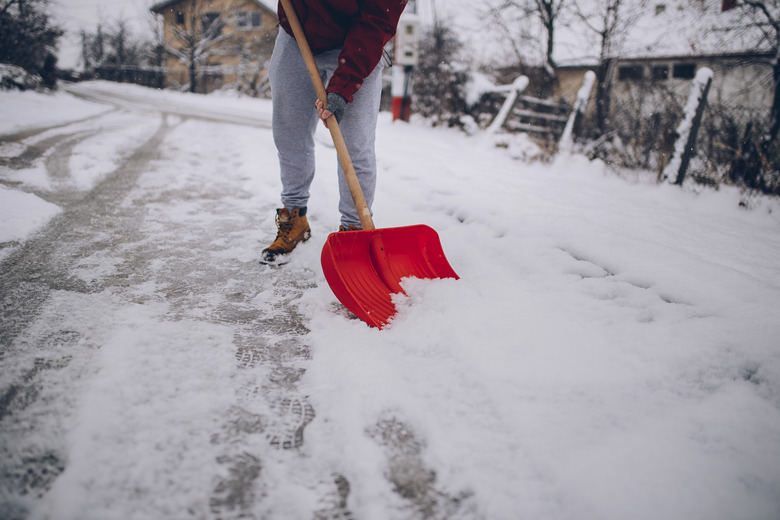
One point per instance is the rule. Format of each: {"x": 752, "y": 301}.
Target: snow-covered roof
{"x": 678, "y": 28}
{"x": 661, "y": 28}
{"x": 671, "y": 28}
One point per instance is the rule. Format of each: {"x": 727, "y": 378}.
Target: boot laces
{"x": 285, "y": 226}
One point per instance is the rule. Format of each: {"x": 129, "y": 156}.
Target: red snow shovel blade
{"x": 364, "y": 268}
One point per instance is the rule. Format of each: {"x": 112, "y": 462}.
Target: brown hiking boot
{"x": 352, "y": 227}
{"x": 293, "y": 229}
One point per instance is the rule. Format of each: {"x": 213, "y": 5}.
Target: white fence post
{"x": 514, "y": 90}
{"x": 688, "y": 129}
{"x": 583, "y": 95}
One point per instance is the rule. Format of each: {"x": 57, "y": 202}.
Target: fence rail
{"x": 522, "y": 113}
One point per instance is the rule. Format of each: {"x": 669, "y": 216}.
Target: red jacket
{"x": 361, "y": 28}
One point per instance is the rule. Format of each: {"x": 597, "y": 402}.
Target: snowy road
{"x": 244, "y": 112}
{"x": 611, "y": 350}
{"x": 150, "y": 244}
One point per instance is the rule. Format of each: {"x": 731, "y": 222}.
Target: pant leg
{"x": 358, "y": 125}
{"x": 294, "y": 120}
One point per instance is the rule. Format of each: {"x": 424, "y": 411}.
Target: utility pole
{"x": 407, "y": 43}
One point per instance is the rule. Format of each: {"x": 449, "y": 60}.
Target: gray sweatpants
{"x": 295, "y": 119}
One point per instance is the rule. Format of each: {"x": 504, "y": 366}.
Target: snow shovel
{"x": 365, "y": 268}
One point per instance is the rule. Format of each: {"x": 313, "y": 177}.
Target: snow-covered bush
{"x": 642, "y": 132}
{"x": 440, "y": 78}
{"x": 755, "y": 160}
{"x": 16, "y": 78}
{"x": 28, "y": 40}
{"x": 641, "y": 129}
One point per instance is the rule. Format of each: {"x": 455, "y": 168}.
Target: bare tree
{"x": 199, "y": 38}
{"x": 548, "y": 11}
{"x": 756, "y": 160}
{"x": 610, "y": 20}
{"x": 762, "y": 19}
{"x": 92, "y": 48}
{"x": 254, "y": 59}
{"x": 439, "y": 92}
{"x": 124, "y": 52}
{"x": 112, "y": 53}
{"x": 521, "y": 21}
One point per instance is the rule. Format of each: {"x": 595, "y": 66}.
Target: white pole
{"x": 514, "y": 90}
{"x": 583, "y": 95}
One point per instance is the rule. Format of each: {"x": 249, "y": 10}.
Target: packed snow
{"x": 611, "y": 349}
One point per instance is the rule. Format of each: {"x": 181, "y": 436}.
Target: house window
{"x": 207, "y": 19}
{"x": 684, "y": 70}
{"x": 631, "y": 73}
{"x": 179, "y": 18}
{"x": 660, "y": 72}
{"x": 250, "y": 19}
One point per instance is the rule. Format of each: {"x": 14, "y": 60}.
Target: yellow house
{"x": 217, "y": 43}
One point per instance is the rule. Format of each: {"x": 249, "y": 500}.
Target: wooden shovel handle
{"x": 335, "y": 132}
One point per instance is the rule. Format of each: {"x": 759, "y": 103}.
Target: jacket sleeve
{"x": 366, "y": 37}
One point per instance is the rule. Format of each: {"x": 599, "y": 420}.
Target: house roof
{"x": 672, "y": 29}
{"x": 677, "y": 28}
{"x": 269, "y": 5}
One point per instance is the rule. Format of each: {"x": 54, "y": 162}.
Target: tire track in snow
{"x": 186, "y": 243}
{"x": 42, "y": 343}
{"x": 42, "y": 263}
{"x": 32, "y": 132}
{"x": 141, "y": 238}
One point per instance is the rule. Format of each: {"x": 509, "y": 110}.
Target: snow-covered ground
{"x": 611, "y": 350}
